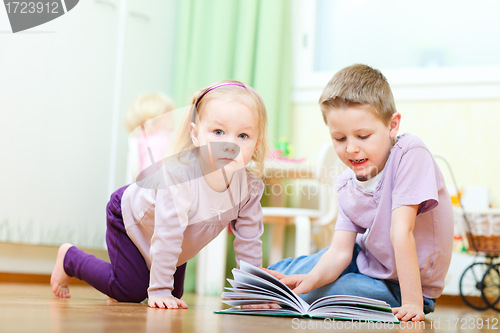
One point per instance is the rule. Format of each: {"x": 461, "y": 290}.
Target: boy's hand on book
{"x": 166, "y": 303}
{"x": 299, "y": 283}
{"x": 411, "y": 312}
{"x": 276, "y": 274}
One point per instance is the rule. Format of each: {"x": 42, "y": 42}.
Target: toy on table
{"x": 284, "y": 152}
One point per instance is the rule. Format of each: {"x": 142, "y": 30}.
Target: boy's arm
{"x": 331, "y": 264}
{"x": 403, "y": 242}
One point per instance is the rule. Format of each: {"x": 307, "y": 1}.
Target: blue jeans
{"x": 350, "y": 282}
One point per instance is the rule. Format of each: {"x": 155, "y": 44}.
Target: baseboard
{"x": 449, "y": 300}
{"x": 32, "y": 278}
{"x": 36, "y": 260}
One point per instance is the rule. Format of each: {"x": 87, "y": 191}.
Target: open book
{"x": 252, "y": 285}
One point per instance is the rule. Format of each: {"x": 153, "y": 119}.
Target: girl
{"x": 154, "y": 226}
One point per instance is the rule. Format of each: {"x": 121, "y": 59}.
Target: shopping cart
{"x": 480, "y": 282}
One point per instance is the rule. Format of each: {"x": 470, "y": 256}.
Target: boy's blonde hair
{"x": 148, "y": 106}
{"x": 236, "y": 89}
{"x": 358, "y": 85}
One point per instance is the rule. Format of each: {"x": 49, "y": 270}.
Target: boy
{"x": 394, "y": 231}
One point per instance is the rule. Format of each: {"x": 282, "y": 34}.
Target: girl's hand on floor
{"x": 166, "y": 303}
{"x": 411, "y": 312}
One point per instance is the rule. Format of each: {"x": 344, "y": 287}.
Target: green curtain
{"x": 245, "y": 40}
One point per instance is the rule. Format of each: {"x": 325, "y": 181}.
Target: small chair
{"x": 328, "y": 168}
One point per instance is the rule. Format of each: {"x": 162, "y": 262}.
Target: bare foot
{"x": 59, "y": 280}
{"x": 111, "y": 300}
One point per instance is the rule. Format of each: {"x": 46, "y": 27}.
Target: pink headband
{"x": 212, "y": 88}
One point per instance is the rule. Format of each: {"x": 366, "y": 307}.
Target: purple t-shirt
{"x": 411, "y": 177}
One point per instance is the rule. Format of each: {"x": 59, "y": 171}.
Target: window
{"x": 428, "y": 50}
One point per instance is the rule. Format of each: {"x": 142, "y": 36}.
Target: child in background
{"x": 394, "y": 231}
{"x": 153, "y": 231}
{"x": 152, "y": 111}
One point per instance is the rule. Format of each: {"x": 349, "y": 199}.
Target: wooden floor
{"x": 32, "y": 308}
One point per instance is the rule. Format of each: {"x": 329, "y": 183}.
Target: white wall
{"x": 58, "y": 91}
{"x": 464, "y": 132}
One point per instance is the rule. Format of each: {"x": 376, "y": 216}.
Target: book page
{"x": 248, "y": 278}
{"x": 352, "y": 300}
{"x": 244, "y": 266}
{"x": 353, "y": 313}
{"x": 264, "y": 297}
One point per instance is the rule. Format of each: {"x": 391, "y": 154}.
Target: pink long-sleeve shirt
{"x": 177, "y": 214}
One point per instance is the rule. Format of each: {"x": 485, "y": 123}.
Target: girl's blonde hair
{"x": 225, "y": 88}
{"x": 148, "y": 106}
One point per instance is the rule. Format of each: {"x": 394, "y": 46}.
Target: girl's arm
{"x": 248, "y": 227}
{"x": 331, "y": 264}
{"x": 170, "y": 222}
{"x": 403, "y": 242}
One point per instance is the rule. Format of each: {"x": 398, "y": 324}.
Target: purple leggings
{"x": 126, "y": 278}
